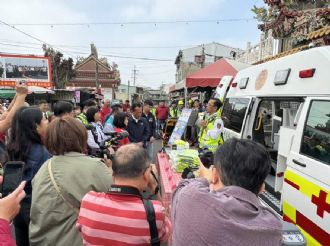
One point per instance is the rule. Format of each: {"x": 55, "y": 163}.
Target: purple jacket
{"x": 230, "y": 216}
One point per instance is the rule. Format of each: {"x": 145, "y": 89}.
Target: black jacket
{"x": 138, "y": 132}
{"x": 152, "y": 124}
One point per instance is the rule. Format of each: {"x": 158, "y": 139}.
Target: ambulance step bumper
{"x": 271, "y": 201}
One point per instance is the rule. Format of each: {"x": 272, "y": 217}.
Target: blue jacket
{"x": 152, "y": 124}
{"x": 37, "y": 156}
{"x": 138, "y": 131}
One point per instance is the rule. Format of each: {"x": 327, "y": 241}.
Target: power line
{"x": 88, "y": 24}
{"x": 21, "y": 46}
{"x": 27, "y": 34}
{"x": 105, "y": 55}
{"x": 160, "y": 72}
{"x": 138, "y": 58}
{"x": 107, "y": 47}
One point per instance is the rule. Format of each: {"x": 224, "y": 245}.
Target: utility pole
{"x": 134, "y": 75}
{"x": 128, "y": 91}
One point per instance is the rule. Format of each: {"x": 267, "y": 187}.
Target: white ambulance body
{"x": 284, "y": 104}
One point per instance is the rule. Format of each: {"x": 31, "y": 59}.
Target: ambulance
{"x": 223, "y": 87}
{"x": 284, "y": 104}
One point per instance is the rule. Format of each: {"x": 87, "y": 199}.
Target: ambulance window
{"x": 233, "y": 113}
{"x": 316, "y": 138}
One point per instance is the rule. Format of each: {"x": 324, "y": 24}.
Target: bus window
{"x": 233, "y": 113}
{"x": 316, "y": 138}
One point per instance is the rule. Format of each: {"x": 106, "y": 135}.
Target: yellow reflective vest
{"x": 153, "y": 111}
{"x": 174, "y": 113}
{"x": 206, "y": 141}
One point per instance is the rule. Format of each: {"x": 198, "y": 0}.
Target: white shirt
{"x": 100, "y": 136}
{"x": 136, "y": 120}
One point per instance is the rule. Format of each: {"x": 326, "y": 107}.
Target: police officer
{"x": 174, "y": 110}
{"x": 211, "y": 126}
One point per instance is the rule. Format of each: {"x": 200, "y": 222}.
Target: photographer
{"x": 95, "y": 131}
{"x": 103, "y": 215}
{"x": 224, "y": 201}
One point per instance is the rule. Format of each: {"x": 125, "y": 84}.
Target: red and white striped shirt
{"x": 116, "y": 219}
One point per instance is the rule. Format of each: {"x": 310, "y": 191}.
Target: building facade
{"x": 267, "y": 47}
{"x": 156, "y": 96}
{"x": 192, "y": 59}
{"x": 128, "y": 92}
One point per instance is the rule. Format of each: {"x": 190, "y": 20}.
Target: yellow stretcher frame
{"x": 169, "y": 127}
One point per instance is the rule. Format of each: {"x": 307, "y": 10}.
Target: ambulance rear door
{"x": 235, "y": 113}
{"x": 223, "y": 87}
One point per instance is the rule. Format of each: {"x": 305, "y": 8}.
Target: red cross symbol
{"x": 321, "y": 203}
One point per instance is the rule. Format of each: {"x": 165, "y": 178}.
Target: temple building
{"x": 96, "y": 74}
{"x": 296, "y": 23}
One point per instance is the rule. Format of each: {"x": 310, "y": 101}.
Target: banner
{"x": 180, "y": 125}
{"x": 34, "y": 70}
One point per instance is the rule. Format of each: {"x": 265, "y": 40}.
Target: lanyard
{"x": 148, "y": 206}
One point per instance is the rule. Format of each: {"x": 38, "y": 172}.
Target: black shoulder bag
{"x": 148, "y": 206}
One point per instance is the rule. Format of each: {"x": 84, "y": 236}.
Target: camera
{"x": 206, "y": 156}
{"x": 112, "y": 140}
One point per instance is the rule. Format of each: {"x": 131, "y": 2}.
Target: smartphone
{"x": 21, "y": 82}
{"x": 12, "y": 176}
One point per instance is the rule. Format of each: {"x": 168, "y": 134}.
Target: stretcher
{"x": 169, "y": 127}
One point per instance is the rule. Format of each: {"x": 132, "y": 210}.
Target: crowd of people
{"x": 69, "y": 197}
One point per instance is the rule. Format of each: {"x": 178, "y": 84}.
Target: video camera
{"x": 206, "y": 156}
{"x": 112, "y": 140}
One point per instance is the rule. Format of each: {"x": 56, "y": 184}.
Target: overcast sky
{"x": 161, "y": 41}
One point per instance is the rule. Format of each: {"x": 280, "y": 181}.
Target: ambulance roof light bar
{"x": 307, "y": 73}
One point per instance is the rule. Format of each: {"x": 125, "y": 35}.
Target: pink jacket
{"x": 5, "y": 234}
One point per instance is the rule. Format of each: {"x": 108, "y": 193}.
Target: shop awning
{"x": 180, "y": 85}
{"x": 172, "y": 88}
{"x": 7, "y": 93}
{"x": 210, "y": 76}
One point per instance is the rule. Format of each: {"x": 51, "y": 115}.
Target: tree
{"x": 261, "y": 13}
{"x": 80, "y": 60}
{"x": 62, "y": 69}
